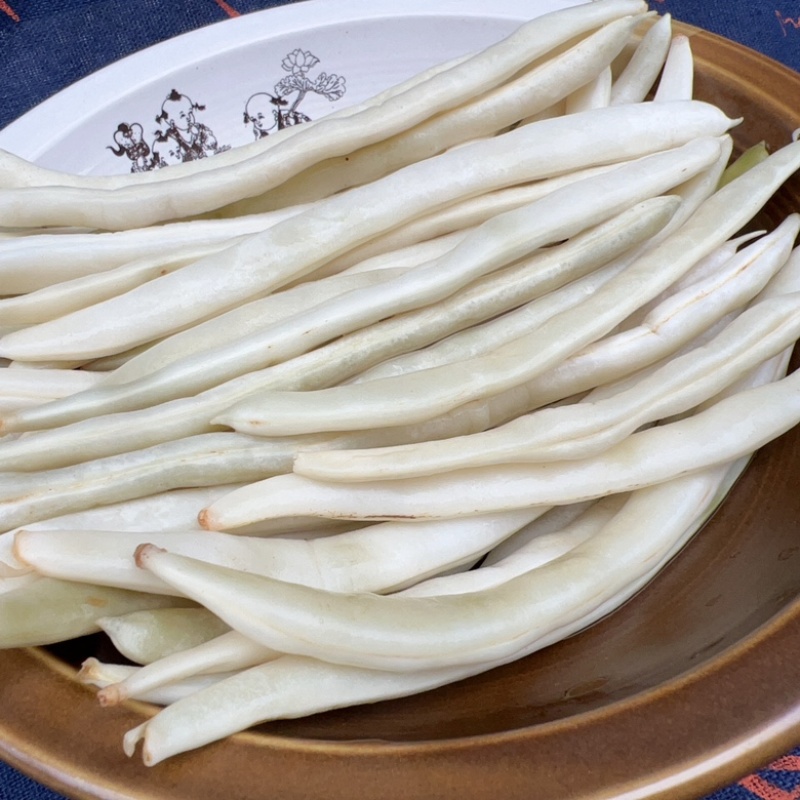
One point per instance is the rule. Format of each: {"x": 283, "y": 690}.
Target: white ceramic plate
{"x": 212, "y": 87}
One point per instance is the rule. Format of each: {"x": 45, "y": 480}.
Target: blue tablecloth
{"x": 46, "y": 45}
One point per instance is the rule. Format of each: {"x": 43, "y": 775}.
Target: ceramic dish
{"x": 693, "y": 683}
{"x": 227, "y": 75}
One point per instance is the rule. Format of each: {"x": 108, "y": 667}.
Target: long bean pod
{"x": 676, "y": 81}
{"x": 379, "y": 558}
{"x": 41, "y": 304}
{"x": 453, "y": 217}
{"x": 243, "y": 320}
{"x": 36, "y": 261}
{"x": 641, "y": 72}
{"x": 175, "y": 510}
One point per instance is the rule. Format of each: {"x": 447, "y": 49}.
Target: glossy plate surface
{"x": 693, "y": 683}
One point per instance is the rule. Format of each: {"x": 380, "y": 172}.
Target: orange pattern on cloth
{"x": 228, "y": 9}
{"x": 5, "y": 7}
{"x": 763, "y": 789}
{"x": 787, "y": 23}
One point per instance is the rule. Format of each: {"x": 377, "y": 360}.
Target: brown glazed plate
{"x": 689, "y": 686}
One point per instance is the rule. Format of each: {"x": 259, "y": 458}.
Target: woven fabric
{"x": 46, "y": 45}
{"x": 770, "y": 26}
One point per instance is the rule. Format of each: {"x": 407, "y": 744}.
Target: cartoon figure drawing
{"x": 181, "y": 137}
{"x": 262, "y": 111}
{"x": 129, "y": 140}
{"x": 265, "y": 111}
{"x": 188, "y": 138}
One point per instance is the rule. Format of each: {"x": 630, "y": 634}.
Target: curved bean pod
{"x": 379, "y": 558}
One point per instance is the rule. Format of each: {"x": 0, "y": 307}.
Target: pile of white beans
{"x": 391, "y": 398}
